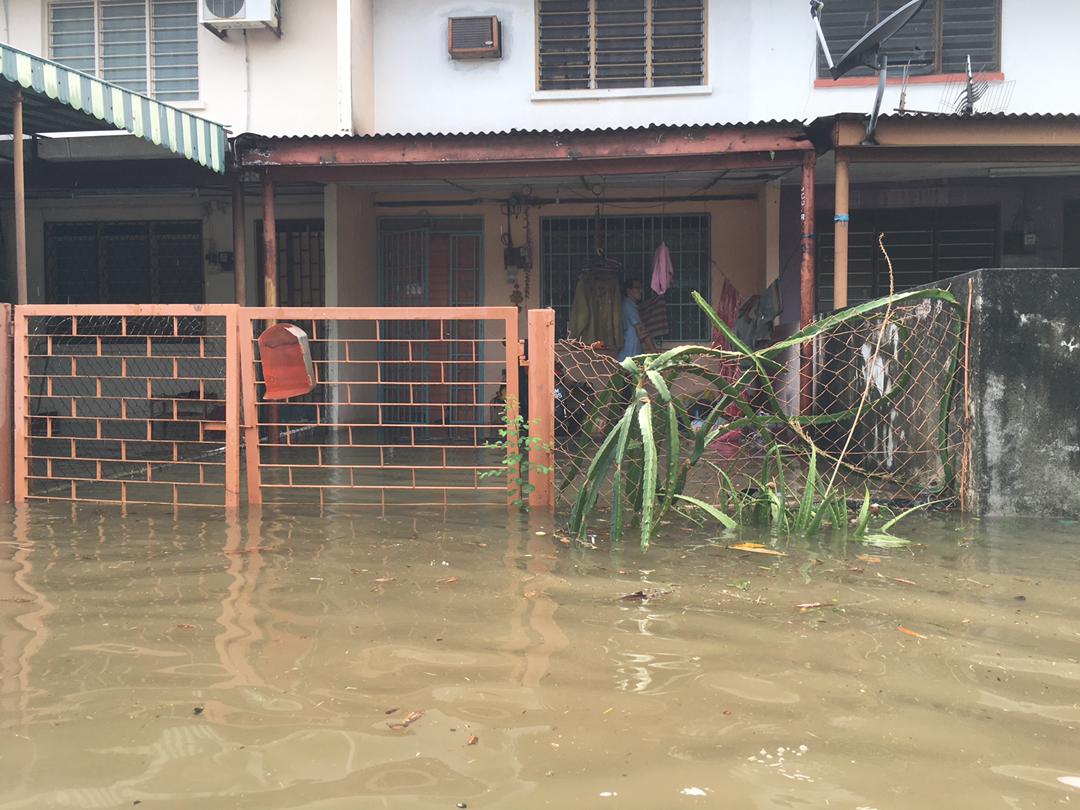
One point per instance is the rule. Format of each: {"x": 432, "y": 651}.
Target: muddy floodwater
{"x": 465, "y": 660}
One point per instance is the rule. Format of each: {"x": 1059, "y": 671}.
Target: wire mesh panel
{"x": 127, "y": 404}
{"x": 885, "y": 413}
{"x": 409, "y": 399}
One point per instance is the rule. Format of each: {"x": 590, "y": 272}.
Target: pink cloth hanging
{"x": 728, "y": 310}
{"x": 662, "y": 271}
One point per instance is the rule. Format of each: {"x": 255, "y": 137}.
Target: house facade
{"x": 403, "y": 174}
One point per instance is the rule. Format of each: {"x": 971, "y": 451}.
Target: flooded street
{"x": 428, "y": 661}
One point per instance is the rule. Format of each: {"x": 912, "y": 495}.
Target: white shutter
{"x": 123, "y": 43}
{"x": 72, "y": 35}
{"x": 174, "y": 50}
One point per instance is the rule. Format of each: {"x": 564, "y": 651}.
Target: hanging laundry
{"x": 727, "y": 308}
{"x": 754, "y": 322}
{"x": 654, "y": 316}
{"x": 596, "y": 312}
{"x": 662, "y": 271}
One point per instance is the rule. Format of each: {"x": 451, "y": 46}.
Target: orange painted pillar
{"x": 542, "y": 407}
{"x": 7, "y": 403}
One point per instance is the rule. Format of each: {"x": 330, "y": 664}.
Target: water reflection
{"x": 263, "y": 661}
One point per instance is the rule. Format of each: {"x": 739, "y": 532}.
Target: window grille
{"x": 147, "y": 46}
{"x": 568, "y": 244}
{"x": 589, "y": 44}
{"x": 925, "y": 245}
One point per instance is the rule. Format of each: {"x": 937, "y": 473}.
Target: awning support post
{"x": 239, "y": 229}
{"x": 806, "y": 287}
{"x": 269, "y": 244}
{"x": 20, "y": 197}
{"x": 842, "y": 219}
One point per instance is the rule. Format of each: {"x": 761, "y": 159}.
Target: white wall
{"x": 761, "y": 66}
{"x": 252, "y": 83}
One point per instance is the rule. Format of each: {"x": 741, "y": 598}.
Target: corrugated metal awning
{"x": 59, "y": 99}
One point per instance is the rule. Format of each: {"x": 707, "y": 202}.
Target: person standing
{"x": 636, "y": 338}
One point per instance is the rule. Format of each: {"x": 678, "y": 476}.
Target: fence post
{"x": 249, "y": 403}
{"x": 20, "y": 365}
{"x": 7, "y": 402}
{"x": 232, "y": 408}
{"x": 542, "y": 407}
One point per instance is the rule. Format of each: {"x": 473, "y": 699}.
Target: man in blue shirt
{"x": 636, "y": 339}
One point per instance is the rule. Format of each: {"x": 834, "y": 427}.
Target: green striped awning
{"x": 59, "y": 99}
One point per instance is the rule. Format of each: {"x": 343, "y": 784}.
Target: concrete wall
{"x": 1025, "y": 390}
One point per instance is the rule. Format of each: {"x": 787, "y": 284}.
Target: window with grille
{"x": 591, "y": 44}
{"x": 568, "y": 245}
{"x": 944, "y": 33}
{"x": 124, "y": 262}
{"x": 925, "y": 245}
{"x": 148, "y": 46}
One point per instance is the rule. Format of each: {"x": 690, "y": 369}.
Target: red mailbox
{"x": 286, "y": 362}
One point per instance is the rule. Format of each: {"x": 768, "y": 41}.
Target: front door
{"x": 1071, "y": 243}
{"x": 430, "y": 367}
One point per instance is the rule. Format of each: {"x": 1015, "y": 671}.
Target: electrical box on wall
{"x": 220, "y": 16}
{"x": 474, "y": 37}
{"x": 1020, "y": 243}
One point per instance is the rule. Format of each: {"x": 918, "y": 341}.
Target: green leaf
{"x": 917, "y": 508}
{"x": 885, "y": 541}
{"x": 864, "y": 516}
{"x": 617, "y": 481}
{"x": 648, "y": 488}
{"x": 711, "y": 511}
{"x": 659, "y": 384}
{"x": 806, "y": 505}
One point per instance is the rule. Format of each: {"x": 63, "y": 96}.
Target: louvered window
{"x": 595, "y": 44}
{"x": 149, "y": 46}
{"x": 944, "y": 33}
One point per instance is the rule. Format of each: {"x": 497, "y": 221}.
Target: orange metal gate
{"x": 131, "y": 404}
{"x": 127, "y": 404}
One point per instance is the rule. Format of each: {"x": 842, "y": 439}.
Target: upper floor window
{"x": 943, "y": 34}
{"x": 592, "y": 44}
{"x": 149, "y": 46}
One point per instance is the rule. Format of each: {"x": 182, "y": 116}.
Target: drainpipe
{"x": 806, "y": 287}
{"x": 841, "y": 223}
{"x": 239, "y": 226}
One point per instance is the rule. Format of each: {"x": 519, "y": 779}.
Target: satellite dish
{"x": 866, "y": 52}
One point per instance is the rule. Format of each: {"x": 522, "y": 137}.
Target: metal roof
{"x": 59, "y": 99}
{"x": 338, "y": 136}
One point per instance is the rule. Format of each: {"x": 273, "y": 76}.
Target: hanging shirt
{"x": 662, "y": 271}
{"x": 631, "y": 321}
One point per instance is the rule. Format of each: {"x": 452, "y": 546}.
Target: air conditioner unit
{"x": 474, "y": 38}
{"x": 221, "y": 15}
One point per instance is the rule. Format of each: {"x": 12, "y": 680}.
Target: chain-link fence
{"x": 876, "y": 403}
{"x": 126, "y": 407}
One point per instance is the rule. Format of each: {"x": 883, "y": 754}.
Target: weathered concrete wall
{"x": 1025, "y": 390}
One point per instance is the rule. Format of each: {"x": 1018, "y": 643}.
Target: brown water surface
{"x": 197, "y": 661}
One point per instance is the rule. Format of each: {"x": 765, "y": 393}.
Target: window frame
{"x": 644, "y": 89}
{"x": 935, "y": 71}
{"x": 151, "y": 79}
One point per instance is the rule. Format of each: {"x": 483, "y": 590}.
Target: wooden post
{"x": 239, "y": 230}
{"x": 269, "y": 244}
{"x": 20, "y": 197}
{"x": 806, "y": 288}
{"x": 7, "y": 402}
{"x": 542, "y": 407}
{"x": 841, "y": 219}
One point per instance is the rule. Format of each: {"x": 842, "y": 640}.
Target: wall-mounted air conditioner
{"x": 221, "y": 15}
{"x": 474, "y": 37}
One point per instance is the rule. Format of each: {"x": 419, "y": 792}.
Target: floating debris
{"x": 806, "y": 606}
{"x": 473, "y": 740}
{"x": 757, "y": 548}
{"x": 645, "y": 596}
{"x": 410, "y": 718}
{"x": 908, "y": 632}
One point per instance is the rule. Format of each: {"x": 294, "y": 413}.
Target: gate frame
{"x": 21, "y": 367}
{"x": 246, "y": 339}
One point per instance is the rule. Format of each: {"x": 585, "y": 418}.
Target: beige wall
{"x": 739, "y": 231}
{"x": 215, "y": 212}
